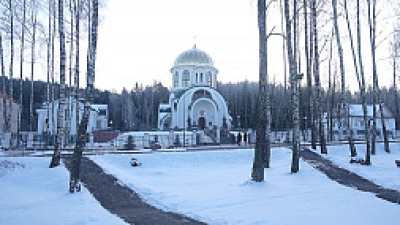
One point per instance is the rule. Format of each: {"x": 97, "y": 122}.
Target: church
{"x": 194, "y": 102}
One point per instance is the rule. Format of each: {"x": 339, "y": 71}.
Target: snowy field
{"x": 383, "y": 170}
{"x": 31, "y": 193}
{"x": 213, "y": 186}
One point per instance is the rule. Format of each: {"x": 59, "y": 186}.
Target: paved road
{"x": 347, "y": 178}
{"x": 121, "y": 200}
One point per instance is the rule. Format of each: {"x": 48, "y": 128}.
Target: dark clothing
{"x": 245, "y": 138}
{"x": 239, "y": 138}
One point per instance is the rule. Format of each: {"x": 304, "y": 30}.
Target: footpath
{"x": 347, "y": 178}
{"x": 121, "y": 200}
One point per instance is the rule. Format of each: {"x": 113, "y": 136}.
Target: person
{"x": 245, "y": 138}
{"x": 239, "y": 138}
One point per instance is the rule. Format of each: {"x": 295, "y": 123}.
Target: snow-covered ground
{"x": 212, "y": 186}
{"x": 215, "y": 187}
{"x": 31, "y": 193}
{"x": 383, "y": 170}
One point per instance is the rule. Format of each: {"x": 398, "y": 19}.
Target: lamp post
{"x": 184, "y": 123}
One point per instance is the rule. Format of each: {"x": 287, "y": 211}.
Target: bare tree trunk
{"x": 77, "y": 9}
{"x": 394, "y": 63}
{"x": 53, "y": 123}
{"x": 376, "y": 90}
{"x": 61, "y": 103}
{"x": 3, "y": 75}
{"x": 258, "y": 167}
{"x": 344, "y": 106}
{"x": 49, "y": 44}
{"x": 311, "y": 97}
{"x": 317, "y": 84}
{"x": 34, "y": 21}
{"x": 362, "y": 89}
{"x": 10, "y": 106}
{"x": 74, "y": 181}
{"x": 293, "y": 84}
{"x": 21, "y": 66}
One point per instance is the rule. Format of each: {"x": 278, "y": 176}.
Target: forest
{"x": 136, "y": 109}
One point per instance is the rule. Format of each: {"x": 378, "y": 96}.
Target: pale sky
{"x": 140, "y": 39}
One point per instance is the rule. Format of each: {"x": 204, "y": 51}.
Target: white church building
{"x": 98, "y": 119}
{"x": 194, "y": 101}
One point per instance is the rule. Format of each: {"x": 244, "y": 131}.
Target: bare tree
{"x": 3, "y": 75}
{"x": 317, "y": 83}
{"x": 344, "y": 107}
{"x": 376, "y": 90}
{"x": 310, "y": 92}
{"x": 362, "y": 88}
{"x": 80, "y": 142}
{"x": 10, "y": 106}
{"x": 294, "y": 92}
{"x": 33, "y": 49}
{"x": 258, "y": 167}
{"x": 21, "y": 67}
{"x": 61, "y": 102}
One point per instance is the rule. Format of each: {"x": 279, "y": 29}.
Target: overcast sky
{"x": 140, "y": 39}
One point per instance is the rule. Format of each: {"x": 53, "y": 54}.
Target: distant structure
{"x": 356, "y": 122}
{"x": 8, "y": 137}
{"x": 98, "y": 119}
{"x": 14, "y": 114}
{"x": 194, "y": 102}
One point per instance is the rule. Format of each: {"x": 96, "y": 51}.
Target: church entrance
{"x": 202, "y": 123}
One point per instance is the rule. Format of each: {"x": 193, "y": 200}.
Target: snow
{"x": 31, "y": 193}
{"x": 212, "y": 186}
{"x": 215, "y": 187}
{"x": 383, "y": 170}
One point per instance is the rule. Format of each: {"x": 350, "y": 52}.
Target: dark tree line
{"x": 137, "y": 109}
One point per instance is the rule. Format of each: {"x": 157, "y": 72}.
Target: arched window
{"x": 186, "y": 78}
{"x": 176, "y": 79}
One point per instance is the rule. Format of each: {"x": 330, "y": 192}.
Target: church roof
{"x": 193, "y": 56}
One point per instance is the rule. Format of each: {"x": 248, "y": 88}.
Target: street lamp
{"x": 184, "y": 123}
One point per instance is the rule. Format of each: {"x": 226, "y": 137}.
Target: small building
{"x": 98, "y": 119}
{"x": 357, "y": 123}
{"x": 194, "y": 101}
{"x": 13, "y": 112}
{"x": 8, "y": 137}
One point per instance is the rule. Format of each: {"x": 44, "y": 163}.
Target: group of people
{"x": 240, "y": 137}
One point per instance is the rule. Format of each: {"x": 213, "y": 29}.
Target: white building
{"x": 194, "y": 100}
{"x": 98, "y": 119}
{"x": 356, "y": 122}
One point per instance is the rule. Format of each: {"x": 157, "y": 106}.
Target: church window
{"x": 176, "y": 80}
{"x": 201, "y": 77}
{"x": 186, "y": 78}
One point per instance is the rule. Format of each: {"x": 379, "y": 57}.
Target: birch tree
{"x": 61, "y": 102}
{"x": 362, "y": 88}
{"x": 310, "y": 92}
{"x": 33, "y": 58}
{"x": 80, "y": 142}
{"x": 376, "y": 90}
{"x": 21, "y": 67}
{"x": 258, "y": 167}
{"x": 3, "y": 75}
{"x": 293, "y": 87}
{"x": 11, "y": 69}
{"x": 317, "y": 84}
{"x": 344, "y": 107}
